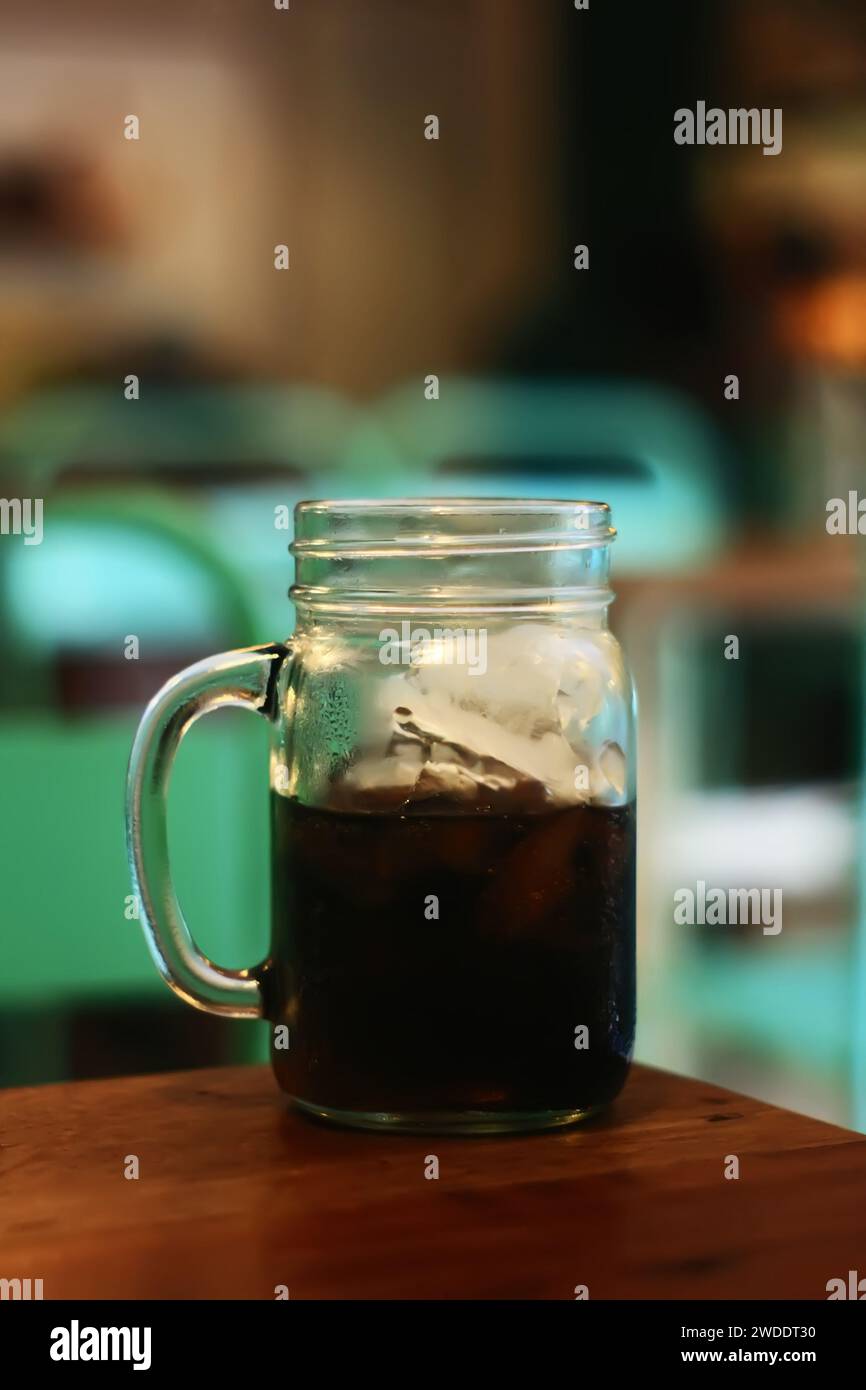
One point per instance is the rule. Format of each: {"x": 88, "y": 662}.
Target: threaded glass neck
{"x": 451, "y": 555}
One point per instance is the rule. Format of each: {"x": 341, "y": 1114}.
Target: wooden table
{"x": 237, "y": 1194}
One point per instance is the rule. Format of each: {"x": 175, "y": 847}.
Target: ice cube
{"x": 610, "y": 784}
{"x": 472, "y": 741}
{"x": 512, "y": 676}
{"x": 514, "y": 720}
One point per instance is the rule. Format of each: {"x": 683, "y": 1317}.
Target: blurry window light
{"x": 803, "y": 841}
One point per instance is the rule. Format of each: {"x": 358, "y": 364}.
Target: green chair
{"x": 109, "y": 568}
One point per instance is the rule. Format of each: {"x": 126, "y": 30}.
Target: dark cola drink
{"x": 437, "y": 966}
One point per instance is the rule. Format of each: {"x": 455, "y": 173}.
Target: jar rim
{"x": 347, "y": 527}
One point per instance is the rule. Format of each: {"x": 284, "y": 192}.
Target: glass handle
{"x": 246, "y": 678}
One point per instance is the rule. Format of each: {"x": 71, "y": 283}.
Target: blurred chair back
{"x": 647, "y": 452}
{"x": 244, "y": 454}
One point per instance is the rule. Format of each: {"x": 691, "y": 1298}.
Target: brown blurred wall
{"x": 305, "y": 127}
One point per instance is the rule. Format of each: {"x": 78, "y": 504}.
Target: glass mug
{"x": 453, "y": 819}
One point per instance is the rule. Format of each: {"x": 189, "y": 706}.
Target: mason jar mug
{"x": 452, "y": 819}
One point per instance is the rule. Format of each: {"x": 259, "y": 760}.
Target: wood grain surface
{"x": 237, "y": 1194}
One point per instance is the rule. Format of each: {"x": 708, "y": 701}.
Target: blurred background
{"x": 154, "y": 258}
